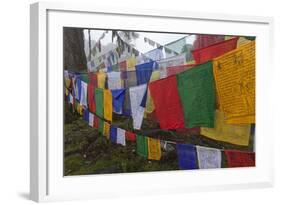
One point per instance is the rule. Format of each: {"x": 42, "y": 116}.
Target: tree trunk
{"x": 73, "y": 50}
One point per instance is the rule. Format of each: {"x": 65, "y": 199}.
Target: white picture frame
{"x": 47, "y": 182}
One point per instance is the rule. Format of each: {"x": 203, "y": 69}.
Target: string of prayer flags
{"x": 121, "y": 137}
{"x": 106, "y": 129}
{"x": 142, "y": 147}
{"x": 91, "y": 119}
{"x": 234, "y": 75}
{"x": 130, "y": 136}
{"x": 235, "y": 134}
{"x": 143, "y": 72}
{"x": 197, "y": 94}
{"x": 99, "y": 101}
{"x": 186, "y": 156}
{"x": 136, "y": 96}
{"x": 240, "y": 159}
{"x": 167, "y": 103}
{"x": 208, "y": 158}
{"x": 208, "y": 53}
{"x": 154, "y": 148}
{"x": 113, "y": 134}
{"x": 83, "y": 98}
{"x": 118, "y": 97}
{"x": 91, "y": 97}
{"x": 107, "y": 104}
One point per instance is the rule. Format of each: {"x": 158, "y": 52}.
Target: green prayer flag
{"x": 197, "y": 93}
{"x": 142, "y": 147}
{"x": 100, "y": 128}
{"x": 99, "y": 101}
{"x": 115, "y": 67}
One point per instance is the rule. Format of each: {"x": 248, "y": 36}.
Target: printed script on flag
{"x": 234, "y": 74}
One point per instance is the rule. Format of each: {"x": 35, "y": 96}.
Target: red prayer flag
{"x": 167, "y": 103}
{"x": 204, "y": 40}
{"x": 240, "y": 159}
{"x": 91, "y": 97}
{"x": 122, "y": 66}
{"x": 130, "y": 136}
{"x": 93, "y": 79}
{"x": 178, "y": 69}
{"x": 205, "y": 54}
{"x": 96, "y": 122}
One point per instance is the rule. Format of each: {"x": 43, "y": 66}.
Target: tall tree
{"x": 74, "y": 57}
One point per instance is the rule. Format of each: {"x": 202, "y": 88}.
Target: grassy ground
{"x": 88, "y": 152}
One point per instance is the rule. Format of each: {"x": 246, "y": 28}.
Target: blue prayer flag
{"x": 86, "y": 115}
{"x": 118, "y": 96}
{"x": 113, "y": 134}
{"x": 143, "y": 72}
{"x": 187, "y": 156}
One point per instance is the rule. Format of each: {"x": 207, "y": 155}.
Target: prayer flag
{"x": 235, "y": 134}
{"x": 167, "y": 103}
{"x": 99, "y": 101}
{"x": 113, "y": 134}
{"x": 208, "y": 158}
{"x": 96, "y": 122}
{"x": 107, "y": 106}
{"x": 204, "y": 40}
{"x": 205, "y": 54}
{"x": 186, "y": 156}
{"x": 118, "y": 97}
{"x": 240, "y": 159}
{"x": 106, "y": 129}
{"x": 100, "y": 127}
{"x": 114, "y": 80}
{"x": 197, "y": 94}
{"x": 136, "y": 95}
{"x": 86, "y": 115}
{"x": 130, "y": 136}
{"x": 91, "y": 98}
{"x": 234, "y": 75}
{"x": 121, "y": 137}
{"x": 177, "y": 69}
{"x": 154, "y": 149}
{"x": 91, "y": 119}
{"x": 83, "y": 98}
{"x": 101, "y": 79}
{"x": 143, "y": 72}
{"x": 131, "y": 62}
{"x": 142, "y": 147}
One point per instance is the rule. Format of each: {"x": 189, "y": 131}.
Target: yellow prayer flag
{"x": 131, "y": 62}
{"x": 154, "y": 149}
{"x": 235, "y": 134}
{"x": 107, "y": 105}
{"x": 67, "y": 82}
{"x": 106, "y": 129}
{"x": 241, "y": 41}
{"x": 80, "y": 109}
{"x": 234, "y": 74}
{"x": 101, "y": 79}
{"x": 149, "y": 108}
{"x": 66, "y": 91}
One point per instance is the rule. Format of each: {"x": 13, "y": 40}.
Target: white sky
{"x": 161, "y": 38}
